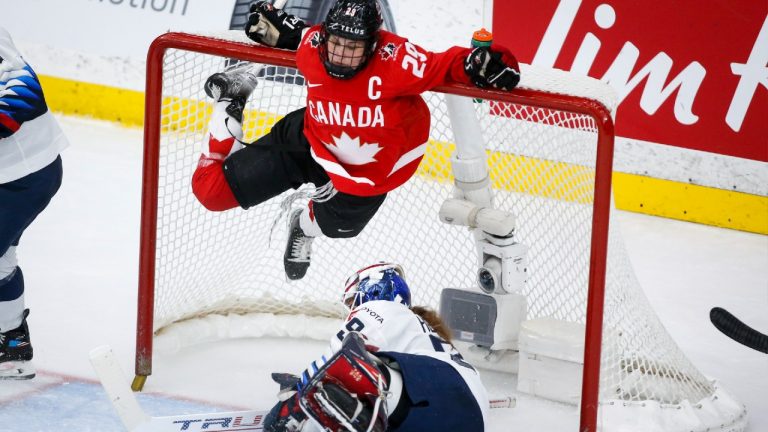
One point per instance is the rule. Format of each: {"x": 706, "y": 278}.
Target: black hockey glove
{"x": 492, "y": 67}
{"x": 273, "y": 27}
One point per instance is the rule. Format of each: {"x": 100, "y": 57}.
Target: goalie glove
{"x": 493, "y": 67}
{"x": 273, "y": 27}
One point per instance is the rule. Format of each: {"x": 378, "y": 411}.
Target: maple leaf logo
{"x": 314, "y": 40}
{"x": 389, "y": 51}
{"x": 351, "y": 151}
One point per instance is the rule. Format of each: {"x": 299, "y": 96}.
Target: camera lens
{"x": 486, "y": 280}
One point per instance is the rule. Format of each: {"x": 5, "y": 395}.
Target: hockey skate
{"x": 16, "y": 353}
{"x": 235, "y": 84}
{"x": 298, "y": 249}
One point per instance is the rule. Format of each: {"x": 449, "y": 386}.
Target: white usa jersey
{"x": 30, "y": 137}
{"x": 391, "y": 326}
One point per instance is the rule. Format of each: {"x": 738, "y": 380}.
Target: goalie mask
{"x": 348, "y": 36}
{"x": 382, "y": 281}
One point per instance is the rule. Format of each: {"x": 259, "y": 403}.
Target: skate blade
{"x": 17, "y": 370}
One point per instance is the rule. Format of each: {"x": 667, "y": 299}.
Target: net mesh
{"x": 542, "y": 169}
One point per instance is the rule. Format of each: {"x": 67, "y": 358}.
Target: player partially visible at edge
{"x": 30, "y": 175}
{"x": 363, "y": 131}
{"x": 391, "y": 366}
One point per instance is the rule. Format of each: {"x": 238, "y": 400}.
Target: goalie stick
{"x": 732, "y": 327}
{"x": 135, "y": 419}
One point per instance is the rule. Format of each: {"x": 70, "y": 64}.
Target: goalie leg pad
{"x": 348, "y": 392}
{"x": 341, "y": 406}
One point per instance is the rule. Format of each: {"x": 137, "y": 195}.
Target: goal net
{"x": 549, "y": 151}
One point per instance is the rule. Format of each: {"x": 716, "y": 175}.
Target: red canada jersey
{"x": 370, "y": 132}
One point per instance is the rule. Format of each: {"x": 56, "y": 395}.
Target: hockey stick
{"x": 737, "y": 330}
{"x": 136, "y": 420}
{"x": 113, "y": 380}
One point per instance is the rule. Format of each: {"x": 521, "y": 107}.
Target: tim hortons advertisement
{"x": 690, "y": 74}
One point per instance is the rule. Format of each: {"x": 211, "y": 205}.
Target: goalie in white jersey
{"x": 392, "y": 367}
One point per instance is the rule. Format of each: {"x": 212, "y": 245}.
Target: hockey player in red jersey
{"x": 391, "y": 366}
{"x": 362, "y": 133}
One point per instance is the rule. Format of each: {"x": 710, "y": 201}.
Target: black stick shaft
{"x": 737, "y": 330}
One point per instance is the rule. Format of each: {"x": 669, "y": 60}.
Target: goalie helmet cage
{"x": 549, "y": 147}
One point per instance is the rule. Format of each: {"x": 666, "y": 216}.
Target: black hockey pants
{"x": 281, "y": 160}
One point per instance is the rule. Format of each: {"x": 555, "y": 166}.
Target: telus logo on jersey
{"x": 337, "y": 114}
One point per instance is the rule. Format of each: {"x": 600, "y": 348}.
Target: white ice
{"x": 80, "y": 261}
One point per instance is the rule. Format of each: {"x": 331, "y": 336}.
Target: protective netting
{"x": 542, "y": 168}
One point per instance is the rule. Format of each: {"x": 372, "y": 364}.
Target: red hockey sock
{"x": 210, "y": 187}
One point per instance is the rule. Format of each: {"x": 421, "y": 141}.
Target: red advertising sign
{"x": 690, "y": 74}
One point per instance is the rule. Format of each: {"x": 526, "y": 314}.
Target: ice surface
{"x": 80, "y": 261}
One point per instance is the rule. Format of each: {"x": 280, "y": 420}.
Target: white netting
{"x": 542, "y": 170}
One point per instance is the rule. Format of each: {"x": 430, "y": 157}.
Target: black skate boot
{"x": 298, "y": 250}
{"x": 16, "y": 352}
{"x": 235, "y": 84}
